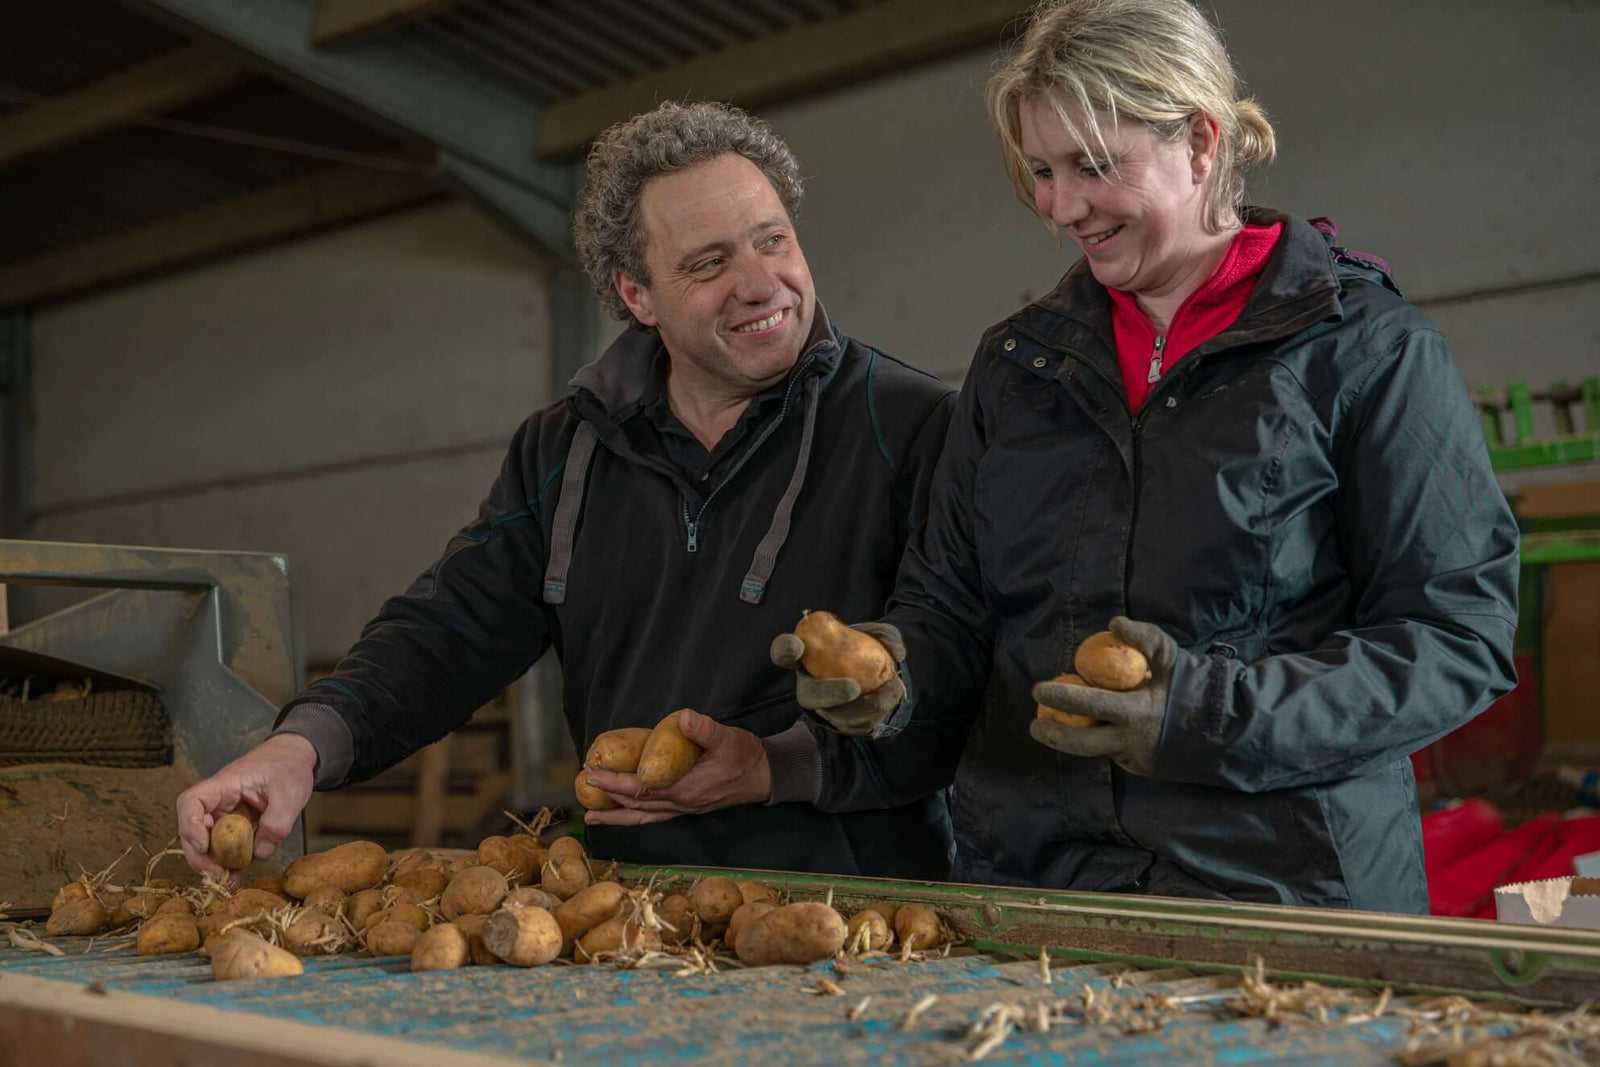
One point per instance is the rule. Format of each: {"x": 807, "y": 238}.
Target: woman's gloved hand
{"x": 839, "y": 701}
{"x": 1130, "y": 722}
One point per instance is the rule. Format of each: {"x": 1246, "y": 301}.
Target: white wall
{"x": 399, "y": 356}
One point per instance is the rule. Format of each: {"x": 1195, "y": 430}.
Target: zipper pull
{"x": 694, "y": 534}
{"x": 1155, "y": 361}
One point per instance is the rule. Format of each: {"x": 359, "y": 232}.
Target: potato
{"x": 834, "y": 650}
{"x": 442, "y": 948}
{"x": 529, "y": 897}
{"x": 136, "y": 908}
{"x": 472, "y": 926}
{"x": 795, "y": 933}
{"x": 392, "y": 939}
{"x": 716, "y": 899}
{"x": 360, "y": 906}
{"x": 210, "y": 925}
{"x": 351, "y": 867}
{"x": 667, "y": 755}
{"x": 399, "y": 894}
{"x": 879, "y": 934}
{"x": 565, "y": 846}
{"x": 456, "y": 866}
{"x": 78, "y": 918}
{"x": 400, "y": 913}
{"x": 523, "y": 937}
{"x": 565, "y": 876}
{"x": 530, "y": 844}
{"x": 330, "y": 900}
{"x": 887, "y": 910}
{"x": 314, "y": 933}
{"x": 1065, "y": 718}
{"x": 68, "y": 893}
{"x": 917, "y": 926}
{"x": 210, "y": 942}
{"x": 113, "y": 899}
{"x": 617, "y": 750}
{"x": 587, "y": 909}
{"x": 255, "y": 902}
{"x": 591, "y": 797}
{"x": 429, "y": 881}
{"x": 176, "y": 906}
{"x": 508, "y": 859}
{"x": 678, "y": 913}
{"x": 272, "y": 884}
{"x": 750, "y": 892}
{"x": 411, "y": 859}
{"x": 247, "y": 956}
{"x": 1106, "y": 661}
{"x": 475, "y": 891}
{"x": 166, "y": 934}
{"x": 233, "y": 842}
{"x": 746, "y": 914}
{"x": 618, "y": 934}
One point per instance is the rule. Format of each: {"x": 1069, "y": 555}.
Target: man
{"x": 727, "y": 464}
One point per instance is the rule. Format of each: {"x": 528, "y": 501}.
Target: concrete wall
{"x": 360, "y": 388}
{"x": 1455, "y": 139}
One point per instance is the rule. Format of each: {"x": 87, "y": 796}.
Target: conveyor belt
{"x": 356, "y": 1009}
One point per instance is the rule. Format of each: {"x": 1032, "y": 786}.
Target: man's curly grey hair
{"x": 673, "y": 137}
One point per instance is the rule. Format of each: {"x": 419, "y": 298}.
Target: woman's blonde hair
{"x": 1158, "y": 61}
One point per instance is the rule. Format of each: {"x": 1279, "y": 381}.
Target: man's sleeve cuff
{"x": 329, "y": 734}
{"x": 794, "y": 759}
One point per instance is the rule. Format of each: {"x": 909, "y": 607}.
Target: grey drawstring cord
{"x": 754, "y": 586}
{"x": 566, "y": 520}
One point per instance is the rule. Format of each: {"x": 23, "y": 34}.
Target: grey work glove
{"x": 1130, "y": 722}
{"x": 838, "y": 701}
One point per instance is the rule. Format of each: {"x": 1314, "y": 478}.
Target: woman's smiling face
{"x": 1134, "y": 206}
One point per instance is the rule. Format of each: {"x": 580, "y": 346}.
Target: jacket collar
{"x": 1297, "y": 287}
{"x": 619, "y": 383}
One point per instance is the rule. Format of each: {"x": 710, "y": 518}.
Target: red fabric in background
{"x": 1465, "y": 886}
{"x": 1468, "y": 853}
{"x": 1451, "y": 833}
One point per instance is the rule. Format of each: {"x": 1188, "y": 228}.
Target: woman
{"x": 1226, "y": 428}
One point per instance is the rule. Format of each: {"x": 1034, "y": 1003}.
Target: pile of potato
{"x": 513, "y": 901}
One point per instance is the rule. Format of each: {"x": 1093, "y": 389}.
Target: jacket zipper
{"x": 692, "y": 526}
{"x": 1136, "y": 423}
{"x": 1155, "y": 361}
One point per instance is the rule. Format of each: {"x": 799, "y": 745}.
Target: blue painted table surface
{"x": 738, "y": 1016}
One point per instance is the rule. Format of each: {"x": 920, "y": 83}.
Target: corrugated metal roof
{"x": 138, "y": 175}
{"x": 50, "y": 47}
{"x": 552, "y": 49}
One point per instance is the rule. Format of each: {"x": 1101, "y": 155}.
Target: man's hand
{"x": 838, "y": 701}
{"x": 272, "y": 780}
{"x": 1130, "y": 723}
{"x": 731, "y": 770}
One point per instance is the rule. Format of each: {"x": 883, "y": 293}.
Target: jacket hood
{"x": 1298, "y": 286}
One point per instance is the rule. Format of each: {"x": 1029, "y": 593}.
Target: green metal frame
{"x": 1527, "y": 965}
{"x": 1568, "y": 446}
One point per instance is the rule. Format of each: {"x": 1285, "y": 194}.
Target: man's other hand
{"x": 731, "y": 770}
{"x": 839, "y": 702}
{"x": 271, "y": 783}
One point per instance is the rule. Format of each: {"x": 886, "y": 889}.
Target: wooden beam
{"x": 323, "y": 200}
{"x": 863, "y": 43}
{"x": 339, "y": 20}
{"x": 60, "y": 1022}
{"x": 151, "y": 88}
